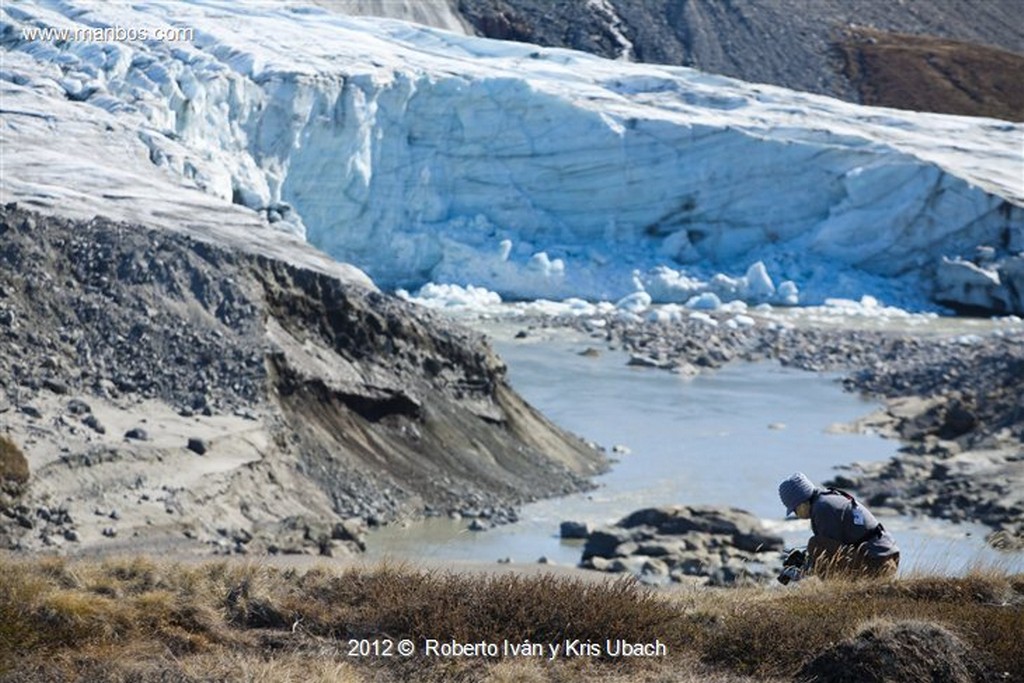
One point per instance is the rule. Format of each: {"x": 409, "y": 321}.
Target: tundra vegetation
{"x": 141, "y": 619}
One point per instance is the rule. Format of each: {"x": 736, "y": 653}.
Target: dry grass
{"x": 139, "y": 620}
{"x": 922, "y": 73}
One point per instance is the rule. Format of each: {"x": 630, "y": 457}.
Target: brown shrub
{"x": 492, "y": 608}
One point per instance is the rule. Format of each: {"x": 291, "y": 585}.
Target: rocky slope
{"x": 797, "y": 44}
{"x": 178, "y": 394}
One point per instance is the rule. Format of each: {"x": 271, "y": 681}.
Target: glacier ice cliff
{"x": 422, "y": 156}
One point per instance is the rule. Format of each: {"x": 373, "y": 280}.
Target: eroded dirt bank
{"x": 171, "y": 393}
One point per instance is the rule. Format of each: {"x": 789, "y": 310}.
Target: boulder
{"x": 725, "y": 545}
{"x": 570, "y": 529}
{"x": 197, "y": 445}
{"x": 77, "y": 406}
{"x": 605, "y": 542}
{"x": 93, "y": 423}
{"x": 744, "y": 528}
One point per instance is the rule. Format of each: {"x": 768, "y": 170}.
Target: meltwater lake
{"x": 725, "y": 437}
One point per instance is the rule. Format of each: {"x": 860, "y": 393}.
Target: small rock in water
{"x": 777, "y": 426}
{"x": 572, "y": 529}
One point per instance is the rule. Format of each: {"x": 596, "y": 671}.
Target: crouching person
{"x": 848, "y": 541}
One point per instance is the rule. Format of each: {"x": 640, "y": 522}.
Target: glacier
{"x": 424, "y": 156}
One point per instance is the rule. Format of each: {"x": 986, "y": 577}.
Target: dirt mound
{"x": 894, "y": 651}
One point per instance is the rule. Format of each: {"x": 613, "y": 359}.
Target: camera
{"x": 793, "y": 567}
{"x": 790, "y": 574}
{"x": 797, "y": 558}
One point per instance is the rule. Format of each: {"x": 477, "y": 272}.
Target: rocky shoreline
{"x": 955, "y": 401}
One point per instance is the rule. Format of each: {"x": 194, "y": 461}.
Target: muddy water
{"x": 723, "y": 438}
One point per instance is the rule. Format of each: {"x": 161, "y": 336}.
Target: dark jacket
{"x": 841, "y": 517}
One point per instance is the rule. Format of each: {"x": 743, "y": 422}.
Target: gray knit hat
{"x": 795, "y": 490}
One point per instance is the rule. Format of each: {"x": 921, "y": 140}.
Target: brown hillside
{"x": 932, "y": 74}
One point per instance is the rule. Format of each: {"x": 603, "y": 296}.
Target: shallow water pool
{"x": 725, "y": 438}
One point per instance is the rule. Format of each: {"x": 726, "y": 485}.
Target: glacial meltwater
{"x": 726, "y": 437}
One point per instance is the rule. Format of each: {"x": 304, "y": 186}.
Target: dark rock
{"x": 93, "y": 423}
{"x": 745, "y": 529}
{"x": 55, "y": 385}
{"x": 604, "y": 542}
{"x": 137, "y": 434}
{"x": 351, "y": 530}
{"x": 958, "y": 420}
{"x": 197, "y": 445}
{"x": 32, "y": 411}
{"x": 77, "y": 406}
{"x": 570, "y": 529}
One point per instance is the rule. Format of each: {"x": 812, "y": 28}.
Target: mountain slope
{"x": 792, "y": 43}
{"x": 929, "y": 74}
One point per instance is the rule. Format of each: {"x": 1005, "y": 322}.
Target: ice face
{"x": 425, "y": 156}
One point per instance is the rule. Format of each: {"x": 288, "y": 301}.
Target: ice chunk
{"x": 708, "y": 301}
